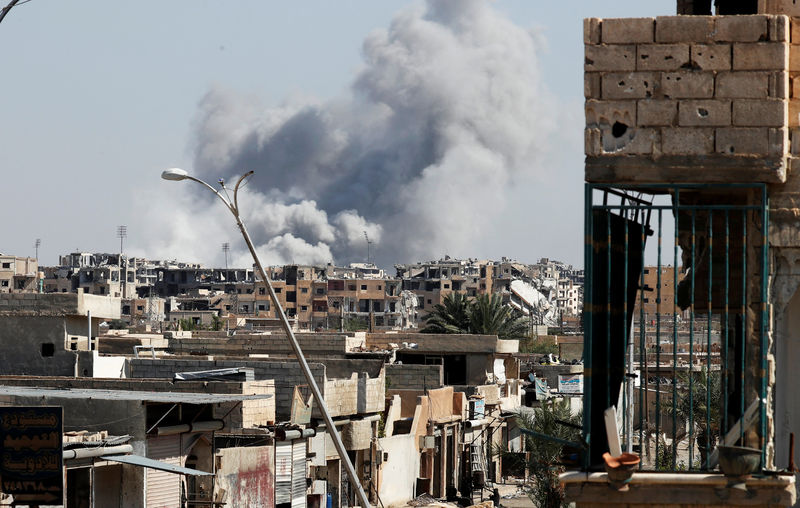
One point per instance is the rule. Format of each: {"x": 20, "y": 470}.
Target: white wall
{"x": 399, "y": 473}
{"x": 108, "y": 366}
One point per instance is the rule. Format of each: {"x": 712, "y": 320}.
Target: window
{"x": 363, "y": 287}
{"x": 48, "y": 349}
{"x": 351, "y": 287}
{"x": 429, "y": 301}
{"x": 140, "y": 308}
{"x": 4, "y": 283}
{"x": 261, "y": 306}
{"x": 278, "y": 290}
{"x": 7, "y": 265}
{"x": 262, "y": 291}
{"x": 304, "y": 307}
{"x": 320, "y": 291}
{"x": 447, "y": 286}
{"x": 304, "y": 290}
{"x": 379, "y": 287}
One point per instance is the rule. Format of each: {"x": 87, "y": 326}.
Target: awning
{"x": 138, "y": 460}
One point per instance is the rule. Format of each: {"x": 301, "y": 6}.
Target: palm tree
{"x": 488, "y": 316}
{"x": 450, "y": 316}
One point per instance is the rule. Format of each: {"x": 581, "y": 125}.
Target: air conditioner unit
{"x": 427, "y": 442}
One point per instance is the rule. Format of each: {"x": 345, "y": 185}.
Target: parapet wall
{"x": 691, "y": 98}
{"x": 276, "y": 344}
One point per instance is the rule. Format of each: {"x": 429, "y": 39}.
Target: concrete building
{"x": 50, "y": 334}
{"x": 18, "y": 275}
{"x": 693, "y": 119}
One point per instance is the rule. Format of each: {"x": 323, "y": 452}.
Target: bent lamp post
{"x": 176, "y": 174}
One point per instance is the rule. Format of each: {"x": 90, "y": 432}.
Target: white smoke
{"x": 446, "y": 116}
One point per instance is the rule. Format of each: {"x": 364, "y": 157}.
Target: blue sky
{"x": 98, "y": 97}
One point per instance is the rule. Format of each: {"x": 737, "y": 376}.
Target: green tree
{"x": 488, "y": 316}
{"x": 450, "y": 316}
{"x": 544, "y": 457}
{"x": 485, "y": 315}
{"x": 707, "y": 421}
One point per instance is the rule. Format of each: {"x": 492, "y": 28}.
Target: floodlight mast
{"x": 176, "y": 174}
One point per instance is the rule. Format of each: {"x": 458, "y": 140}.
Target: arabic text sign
{"x": 570, "y": 383}
{"x": 31, "y": 464}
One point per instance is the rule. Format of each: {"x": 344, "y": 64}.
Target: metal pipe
{"x": 471, "y": 424}
{"x": 289, "y": 434}
{"x": 204, "y": 426}
{"x": 84, "y": 453}
{"x": 233, "y": 207}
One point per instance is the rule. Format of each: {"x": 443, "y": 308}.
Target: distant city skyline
{"x": 97, "y": 105}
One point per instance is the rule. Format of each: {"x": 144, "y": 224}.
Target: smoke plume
{"x": 447, "y": 114}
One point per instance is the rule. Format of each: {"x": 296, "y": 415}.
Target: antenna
{"x": 369, "y": 242}
{"x": 36, "y": 245}
{"x": 122, "y": 233}
{"x": 225, "y": 248}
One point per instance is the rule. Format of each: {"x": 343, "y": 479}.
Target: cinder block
{"x": 656, "y": 112}
{"x": 687, "y": 85}
{"x": 711, "y": 57}
{"x": 794, "y": 113}
{"x": 591, "y": 30}
{"x": 760, "y": 56}
{"x": 742, "y": 140}
{"x": 627, "y": 30}
{"x": 684, "y": 29}
{"x": 794, "y": 83}
{"x": 630, "y": 85}
{"x": 779, "y": 85}
{"x": 661, "y": 57}
{"x": 794, "y": 57}
{"x": 742, "y": 28}
{"x": 779, "y": 30}
{"x": 760, "y": 113}
{"x": 609, "y": 58}
{"x": 709, "y": 113}
{"x": 794, "y": 141}
{"x": 742, "y": 85}
{"x": 687, "y": 141}
{"x": 789, "y": 7}
{"x": 607, "y": 112}
{"x": 778, "y": 141}
{"x": 794, "y": 29}
{"x": 631, "y": 140}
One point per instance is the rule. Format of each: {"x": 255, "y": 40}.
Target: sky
{"x": 446, "y": 127}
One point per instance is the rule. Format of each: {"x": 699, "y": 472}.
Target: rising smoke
{"x": 446, "y": 116}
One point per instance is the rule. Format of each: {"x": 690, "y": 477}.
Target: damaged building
{"x": 691, "y": 135}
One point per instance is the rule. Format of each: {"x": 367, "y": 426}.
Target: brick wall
{"x": 39, "y": 304}
{"x": 688, "y": 86}
{"x": 344, "y": 397}
{"x": 414, "y": 377}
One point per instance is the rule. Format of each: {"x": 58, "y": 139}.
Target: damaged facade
{"x": 691, "y": 136}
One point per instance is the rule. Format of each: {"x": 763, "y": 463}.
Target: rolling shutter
{"x": 163, "y": 489}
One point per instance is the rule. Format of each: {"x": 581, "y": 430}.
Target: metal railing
{"x": 675, "y": 335}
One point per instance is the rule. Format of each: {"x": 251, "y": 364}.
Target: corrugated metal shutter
{"x": 163, "y": 489}
{"x": 299, "y": 473}
{"x": 283, "y": 472}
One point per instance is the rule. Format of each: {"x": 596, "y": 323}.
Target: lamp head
{"x": 175, "y": 174}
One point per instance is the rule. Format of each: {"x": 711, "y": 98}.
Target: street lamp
{"x": 176, "y": 174}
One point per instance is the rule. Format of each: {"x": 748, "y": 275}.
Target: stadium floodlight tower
{"x": 177, "y": 174}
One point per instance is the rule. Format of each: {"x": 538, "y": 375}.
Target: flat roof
{"x": 94, "y": 393}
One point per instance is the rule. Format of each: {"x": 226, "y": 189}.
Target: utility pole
{"x": 369, "y": 242}
{"x": 122, "y": 233}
